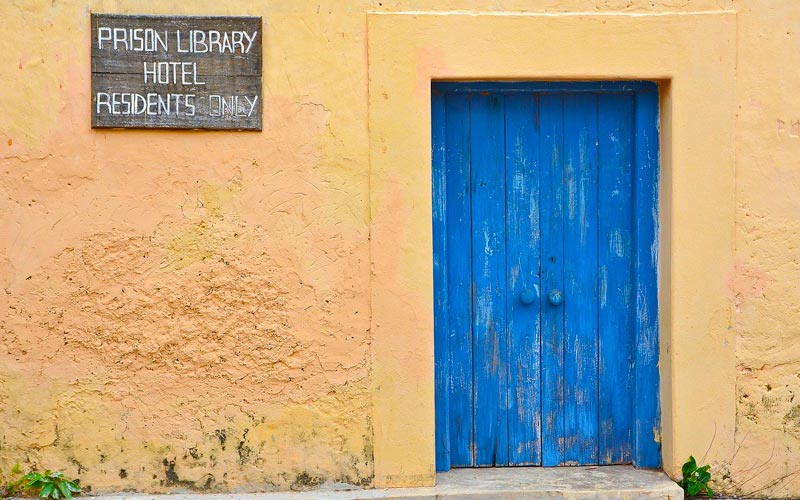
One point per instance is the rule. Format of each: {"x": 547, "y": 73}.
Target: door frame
{"x": 646, "y": 415}
{"x": 693, "y": 57}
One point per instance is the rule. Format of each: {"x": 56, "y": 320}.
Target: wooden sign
{"x": 176, "y": 72}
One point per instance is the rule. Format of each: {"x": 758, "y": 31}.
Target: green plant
{"x": 695, "y": 479}
{"x": 12, "y": 485}
{"x": 51, "y": 484}
{"x": 46, "y": 485}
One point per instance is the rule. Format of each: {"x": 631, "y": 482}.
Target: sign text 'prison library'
{"x": 176, "y": 72}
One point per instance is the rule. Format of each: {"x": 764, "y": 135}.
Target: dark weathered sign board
{"x": 176, "y": 72}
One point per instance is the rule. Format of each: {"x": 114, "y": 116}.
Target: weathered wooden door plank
{"x": 523, "y": 275}
{"x": 488, "y": 274}
{"x": 647, "y": 432}
{"x": 441, "y": 338}
{"x": 459, "y": 279}
{"x": 580, "y": 279}
{"x": 551, "y": 119}
{"x": 616, "y": 301}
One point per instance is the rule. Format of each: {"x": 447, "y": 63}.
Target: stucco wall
{"x": 192, "y": 309}
{"x": 764, "y": 283}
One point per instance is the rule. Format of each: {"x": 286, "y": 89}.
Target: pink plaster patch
{"x": 430, "y": 65}
{"x": 746, "y": 281}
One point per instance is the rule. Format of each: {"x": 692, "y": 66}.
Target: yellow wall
{"x": 198, "y": 309}
{"x": 693, "y": 56}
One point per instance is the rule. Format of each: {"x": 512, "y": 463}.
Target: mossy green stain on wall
{"x": 201, "y": 239}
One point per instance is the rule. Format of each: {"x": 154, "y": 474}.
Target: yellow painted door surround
{"x": 693, "y": 57}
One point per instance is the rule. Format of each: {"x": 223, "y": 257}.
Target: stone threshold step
{"x": 508, "y": 483}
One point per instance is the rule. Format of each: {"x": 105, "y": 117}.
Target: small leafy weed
{"x": 12, "y": 485}
{"x": 48, "y": 484}
{"x": 695, "y": 479}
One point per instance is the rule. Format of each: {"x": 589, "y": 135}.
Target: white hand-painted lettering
{"x": 133, "y": 39}
{"x": 213, "y": 41}
{"x": 233, "y": 105}
{"x": 150, "y": 104}
{"x": 250, "y": 40}
{"x": 171, "y": 73}
{"x": 252, "y": 104}
{"x": 190, "y": 71}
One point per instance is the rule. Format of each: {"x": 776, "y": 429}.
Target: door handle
{"x": 528, "y": 296}
{"x": 555, "y": 297}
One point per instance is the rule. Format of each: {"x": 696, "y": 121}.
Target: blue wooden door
{"x": 545, "y": 207}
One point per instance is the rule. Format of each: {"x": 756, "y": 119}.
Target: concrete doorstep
{"x": 610, "y": 482}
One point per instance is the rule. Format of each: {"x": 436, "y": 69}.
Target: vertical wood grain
{"x": 580, "y": 279}
{"x": 441, "y": 336}
{"x": 459, "y": 278}
{"x": 615, "y": 320}
{"x": 523, "y": 273}
{"x": 647, "y": 432}
{"x": 555, "y": 189}
{"x": 488, "y": 274}
{"x": 551, "y": 137}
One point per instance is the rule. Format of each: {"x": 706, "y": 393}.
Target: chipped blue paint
{"x": 522, "y": 255}
{"x": 458, "y": 334}
{"x": 615, "y": 189}
{"x": 489, "y": 354}
{"x": 580, "y": 368}
{"x": 647, "y": 430}
{"x": 551, "y": 118}
{"x": 539, "y": 187}
{"x": 442, "y": 373}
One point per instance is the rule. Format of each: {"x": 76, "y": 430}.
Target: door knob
{"x": 528, "y": 296}
{"x": 555, "y": 297}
